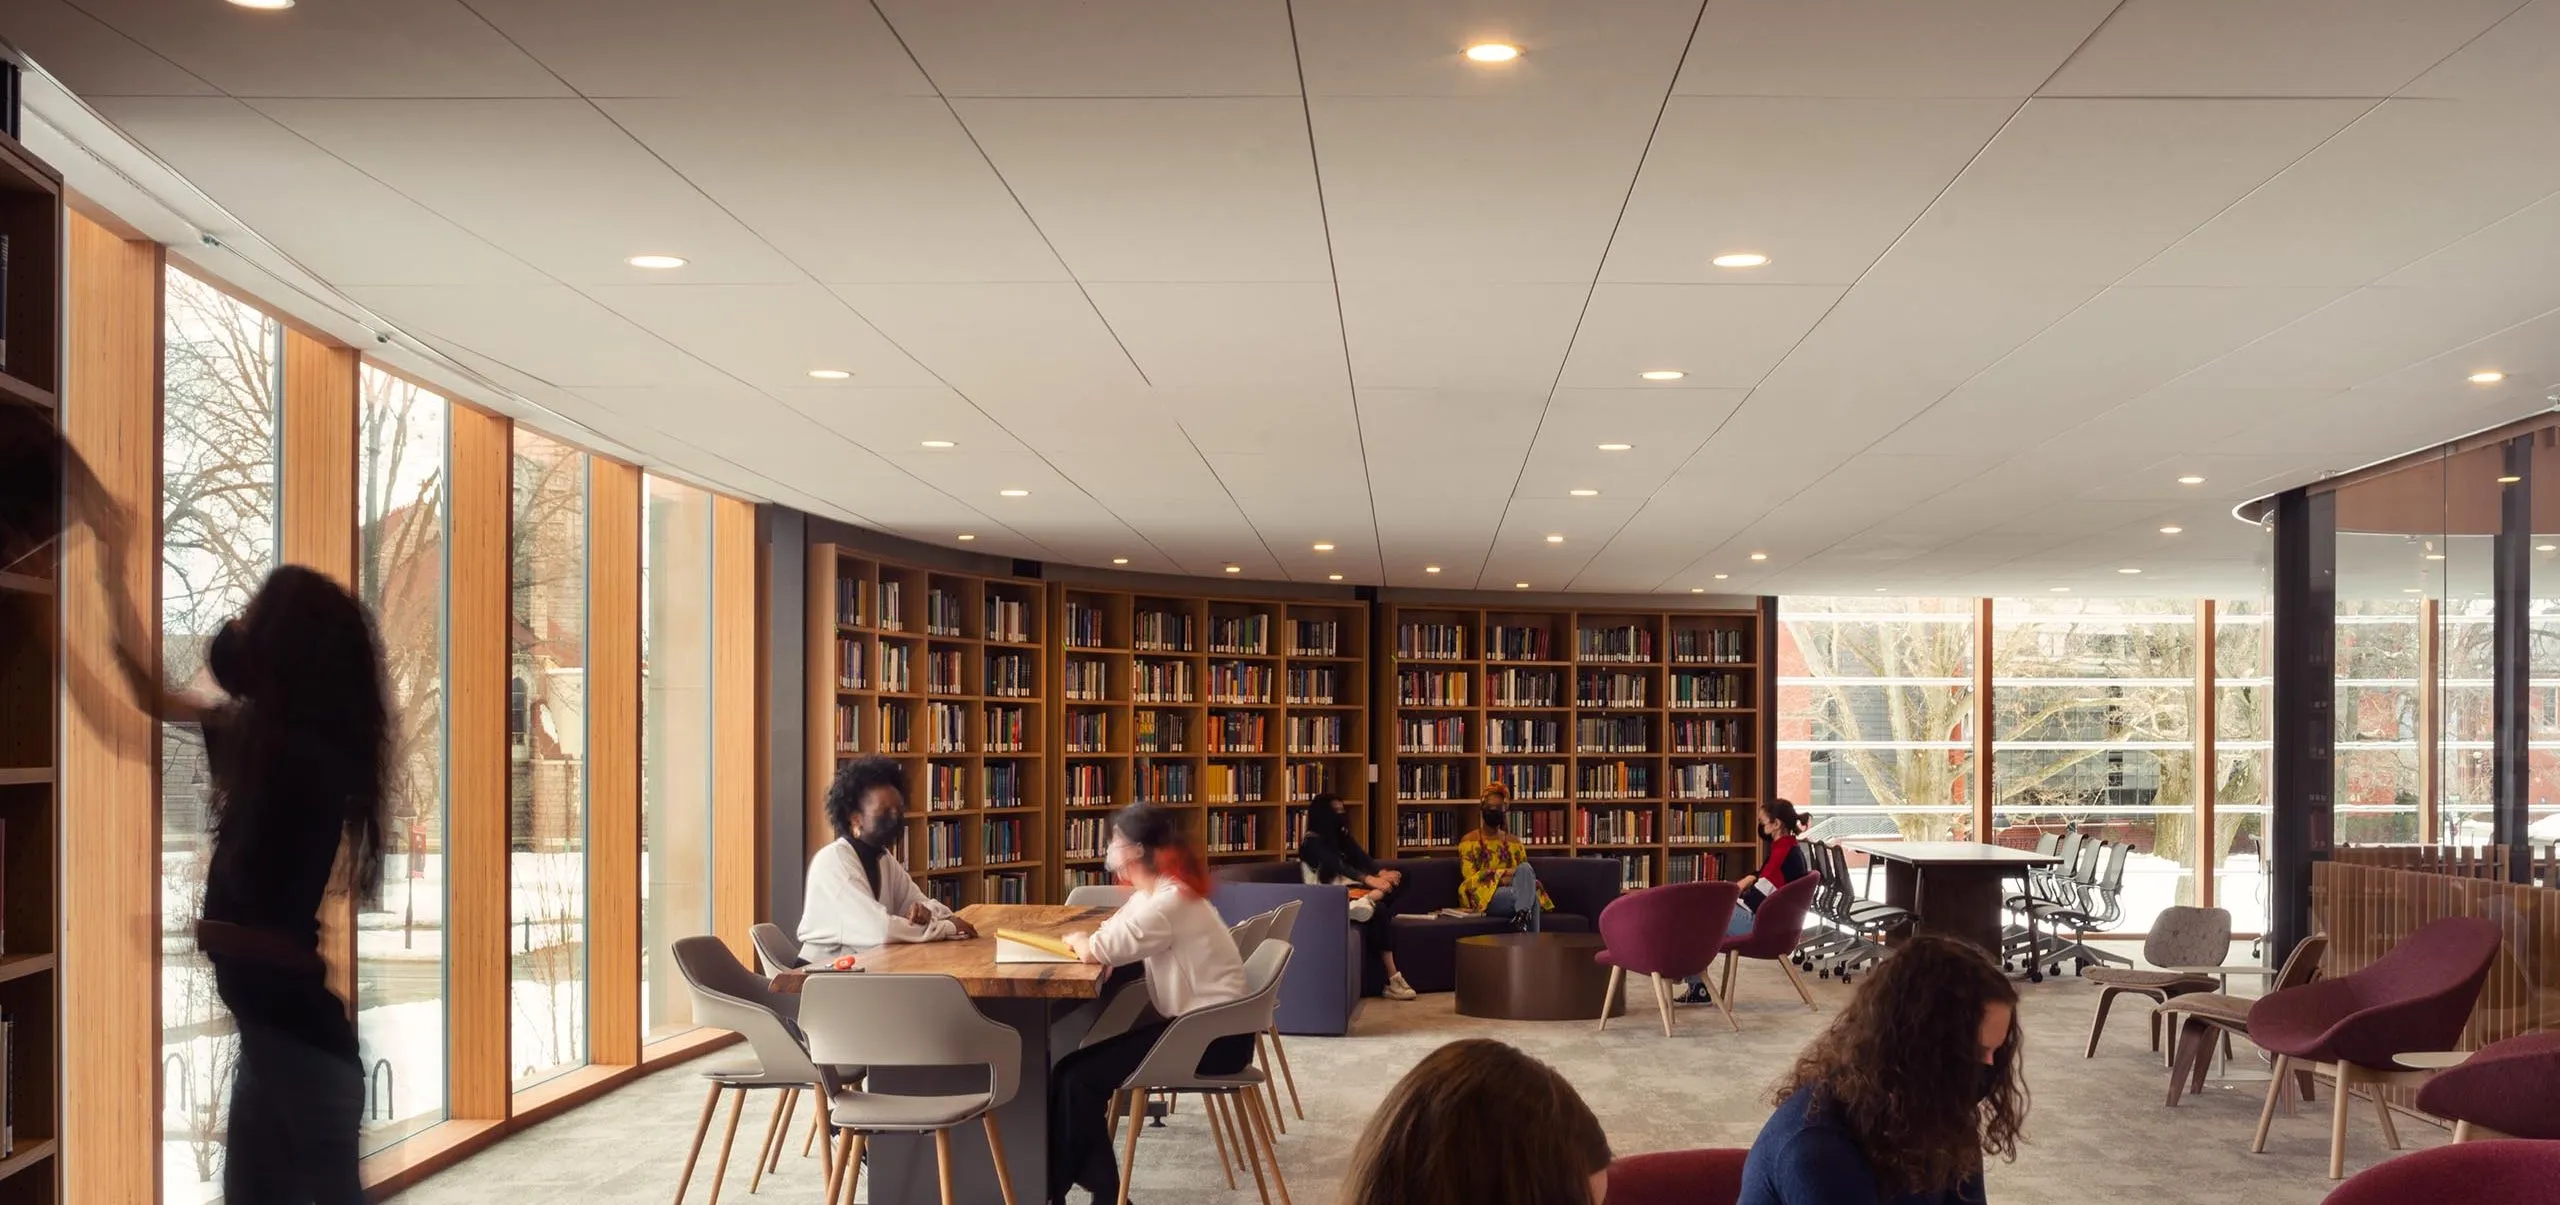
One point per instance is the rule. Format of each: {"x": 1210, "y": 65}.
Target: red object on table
{"x": 845, "y": 963}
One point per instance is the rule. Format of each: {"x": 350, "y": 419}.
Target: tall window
{"x": 400, "y": 575}
{"x": 1875, "y": 715}
{"x": 2379, "y": 661}
{"x": 675, "y": 743}
{"x": 2093, "y": 707}
{"x": 2243, "y": 745}
{"x": 223, "y": 371}
{"x": 2466, "y": 652}
{"x": 547, "y": 752}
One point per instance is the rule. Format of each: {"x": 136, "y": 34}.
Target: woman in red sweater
{"x": 1779, "y": 822}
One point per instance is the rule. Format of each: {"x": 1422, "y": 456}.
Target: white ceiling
{"x": 1219, "y": 279}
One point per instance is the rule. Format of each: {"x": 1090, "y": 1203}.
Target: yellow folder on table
{"x": 1014, "y": 945}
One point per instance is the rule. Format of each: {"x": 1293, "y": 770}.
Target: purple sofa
{"x": 1426, "y": 946}
{"x": 1322, "y": 984}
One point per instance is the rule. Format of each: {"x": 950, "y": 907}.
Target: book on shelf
{"x": 1152, "y": 681}
{"x": 1239, "y": 682}
{"x": 1707, "y": 688}
{"x": 1006, "y": 887}
{"x": 1008, "y": 620}
{"x": 1512, "y": 642}
{"x": 1316, "y": 734}
{"x": 942, "y": 672}
{"x": 1011, "y": 676}
{"x": 893, "y": 614}
{"x": 1084, "y": 626}
{"x": 1088, "y": 731}
{"x": 1314, "y": 684}
{"x": 1238, "y": 732}
{"x": 1008, "y": 729}
{"x": 1692, "y": 646}
{"x": 1433, "y": 734}
{"x": 1004, "y": 784}
{"x": 1612, "y": 734}
{"x": 897, "y": 663}
{"x": 1250, "y": 634}
{"x": 1086, "y": 680}
{"x": 1429, "y": 782}
{"x": 8, "y": 1085}
{"x": 1000, "y": 842}
{"x": 1315, "y": 638}
{"x": 1616, "y": 826}
{"x": 1163, "y": 732}
{"x": 853, "y": 596}
{"x": 1432, "y": 687}
{"x": 1528, "y": 780}
{"x": 1163, "y": 632}
{"x": 1626, "y": 643}
{"x": 1612, "y": 688}
{"x": 1525, "y": 688}
{"x": 942, "y": 614}
{"x": 1505, "y": 734}
{"x": 1307, "y": 779}
{"x": 1416, "y": 641}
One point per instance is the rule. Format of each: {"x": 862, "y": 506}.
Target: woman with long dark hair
{"x": 1329, "y": 856}
{"x": 300, "y": 751}
{"x": 1191, "y": 963}
{"x": 1476, "y": 1122}
{"x": 1779, "y": 822}
{"x": 1900, "y": 1099}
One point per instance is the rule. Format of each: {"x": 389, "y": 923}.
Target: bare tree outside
{"x": 547, "y": 740}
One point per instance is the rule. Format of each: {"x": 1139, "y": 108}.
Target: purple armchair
{"x": 1711, "y": 1176}
{"x": 2509, "y": 1088}
{"x": 1667, "y": 933}
{"x": 1777, "y": 928}
{"x": 2416, "y": 997}
{"x": 2475, "y": 1173}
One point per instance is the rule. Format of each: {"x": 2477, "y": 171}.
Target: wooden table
{"x": 1954, "y": 887}
{"x": 1028, "y": 997}
{"x": 1533, "y": 977}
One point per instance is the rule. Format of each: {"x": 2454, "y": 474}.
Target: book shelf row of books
{"x": 1239, "y": 682}
{"x": 1008, "y": 728}
{"x": 947, "y": 786}
{"x": 947, "y": 848}
{"x": 1005, "y": 618}
{"x": 1712, "y": 688}
{"x": 1230, "y": 832}
{"x": 1440, "y": 782}
{"x": 1696, "y": 646}
{"x": 1001, "y": 842}
{"x": 1638, "y": 642}
{"x": 1222, "y": 831}
{"x": 1082, "y": 627}
{"x": 1163, "y": 632}
{"x": 1005, "y": 887}
{"x": 1247, "y": 634}
{"x": 1547, "y": 828}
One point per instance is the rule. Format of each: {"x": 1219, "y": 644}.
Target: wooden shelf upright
{"x": 31, "y": 637}
{"x": 1639, "y": 735}
{"x": 943, "y": 672}
{"x": 1232, "y": 711}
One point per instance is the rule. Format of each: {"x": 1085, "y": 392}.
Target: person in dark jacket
{"x": 1779, "y": 822}
{"x": 1902, "y": 1097}
{"x": 1328, "y": 855}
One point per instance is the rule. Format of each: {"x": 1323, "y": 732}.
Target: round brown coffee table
{"x": 1533, "y": 977}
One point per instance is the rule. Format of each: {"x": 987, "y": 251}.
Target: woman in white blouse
{"x": 858, "y": 898}
{"x": 1191, "y": 964}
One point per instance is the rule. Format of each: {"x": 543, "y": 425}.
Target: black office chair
{"x": 2098, "y": 906}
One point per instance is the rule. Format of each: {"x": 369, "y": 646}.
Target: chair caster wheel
{"x": 2034, "y": 976}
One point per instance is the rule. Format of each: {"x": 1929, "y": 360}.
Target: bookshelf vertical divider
{"x": 1641, "y": 735}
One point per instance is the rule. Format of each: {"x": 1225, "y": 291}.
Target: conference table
{"x": 1028, "y": 997}
{"x": 1953, "y": 887}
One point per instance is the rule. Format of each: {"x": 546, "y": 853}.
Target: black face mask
{"x": 1987, "y": 1082}
{"x": 226, "y": 657}
{"x": 882, "y": 829}
{"x": 1492, "y": 817}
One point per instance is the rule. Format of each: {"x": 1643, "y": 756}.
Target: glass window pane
{"x": 1875, "y": 707}
{"x": 2380, "y": 660}
{"x": 675, "y": 743}
{"x": 2242, "y": 749}
{"x": 400, "y": 574}
{"x": 222, "y": 366}
{"x": 546, "y": 745}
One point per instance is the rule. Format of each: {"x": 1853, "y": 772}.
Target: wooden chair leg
{"x": 782, "y": 1133}
{"x": 1662, "y": 1001}
{"x": 1271, "y": 1150}
{"x": 1797, "y": 978}
{"x": 2267, "y": 1111}
{"x": 1218, "y": 1135}
{"x": 838, "y": 1144}
{"x": 1129, "y": 1163}
{"x": 1281, "y": 1052}
{"x": 2462, "y": 1131}
{"x": 942, "y": 1165}
{"x": 2341, "y": 1082}
{"x": 772, "y": 1132}
{"x": 700, "y": 1128}
{"x": 720, "y": 1170}
{"x": 1609, "y": 998}
{"x": 1724, "y": 1001}
{"x": 2381, "y": 1107}
{"x": 1724, "y": 988}
{"x": 849, "y": 1165}
{"x": 1281, "y": 1123}
{"x": 995, "y": 1151}
{"x": 1246, "y": 1151}
{"x": 817, "y": 1125}
{"x": 2098, "y": 1024}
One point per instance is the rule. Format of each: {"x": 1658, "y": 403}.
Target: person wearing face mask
{"x": 1494, "y": 875}
{"x": 1902, "y": 1096}
{"x": 859, "y": 897}
{"x": 1779, "y": 824}
{"x": 1168, "y": 926}
{"x": 1329, "y": 856}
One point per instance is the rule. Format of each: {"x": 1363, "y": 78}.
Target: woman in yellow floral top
{"x": 1494, "y": 875}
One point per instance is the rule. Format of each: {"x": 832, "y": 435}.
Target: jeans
{"x": 1518, "y": 899}
{"x": 1739, "y": 926}
{"x": 1080, "y": 1089}
{"x": 295, "y": 1111}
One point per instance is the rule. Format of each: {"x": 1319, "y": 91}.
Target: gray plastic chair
{"x": 908, "y": 1021}
{"x": 775, "y": 951}
{"x": 1097, "y": 895}
{"x": 1284, "y": 923}
{"x": 1173, "y": 1066}
{"x": 726, "y": 995}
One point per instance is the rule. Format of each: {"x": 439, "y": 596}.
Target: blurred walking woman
{"x": 299, "y": 751}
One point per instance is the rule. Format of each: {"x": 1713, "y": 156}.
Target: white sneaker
{"x": 1363, "y": 908}
{"x": 1398, "y": 989}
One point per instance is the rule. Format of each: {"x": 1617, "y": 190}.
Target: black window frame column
{"x": 2301, "y": 820}
{"x": 2511, "y": 638}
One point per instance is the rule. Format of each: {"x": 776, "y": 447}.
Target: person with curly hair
{"x": 1899, "y": 1100}
{"x": 859, "y": 896}
{"x": 1478, "y": 1121}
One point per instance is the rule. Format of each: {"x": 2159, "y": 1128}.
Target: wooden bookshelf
{"x": 31, "y": 635}
{"x": 943, "y": 672}
{"x": 1643, "y": 735}
{"x": 1232, "y": 711}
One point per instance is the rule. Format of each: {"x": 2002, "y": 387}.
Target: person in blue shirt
{"x": 1899, "y": 1100}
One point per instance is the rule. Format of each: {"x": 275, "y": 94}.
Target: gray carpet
{"x": 2097, "y": 1131}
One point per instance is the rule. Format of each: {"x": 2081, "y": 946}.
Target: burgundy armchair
{"x": 1712, "y": 1176}
{"x": 2416, "y": 997}
{"x": 2509, "y": 1088}
{"x": 1667, "y": 933}
{"x": 1777, "y": 928}
{"x": 2475, "y": 1173}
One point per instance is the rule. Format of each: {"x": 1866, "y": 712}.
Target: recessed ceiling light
{"x": 1722, "y": 576}
{"x": 1431, "y": 569}
{"x": 1235, "y": 568}
{"x": 1880, "y": 589}
{"x": 1015, "y": 493}
{"x": 2062, "y": 589}
{"x": 940, "y": 443}
{"x": 1333, "y": 577}
{"x": 1740, "y": 259}
{"x": 2510, "y": 479}
{"x": 1584, "y": 493}
{"x": 1519, "y": 585}
{"x": 1759, "y": 556}
{"x": 2128, "y": 569}
{"x": 1493, "y": 52}
{"x": 2546, "y": 548}
{"x": 2412, "y": 590}
{"x": 2488, "y": 377}
{"x": 656, "y": 261}
{"x": 1663, "y": 374}
{"x": 1615, "y": 447}
{"x": 2171, "y": 530}
{"x": 2191, "y": 479}
{"x": 264, "y": 5}
{"x": 2435, "y": 556}
{"x": 965, "y": 536}
{"x": 1119, "y": 560}
{"x": 1324, "y": 547}
{"x": 1555, "y": 539}
{"x": 1700, "y": 589}
{"x": 829, "y": 374}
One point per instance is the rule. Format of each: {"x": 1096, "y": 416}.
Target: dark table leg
{"x": 1901, "y": 883}
{"x": 902, "y": 1166}
{"x": 1962, "y": 901}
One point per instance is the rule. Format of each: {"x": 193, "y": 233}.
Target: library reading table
{"x": 1954, "y": 887}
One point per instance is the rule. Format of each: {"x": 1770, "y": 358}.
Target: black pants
{"x": 1080, "y": 1089}
{"x": 295, "y": 1110}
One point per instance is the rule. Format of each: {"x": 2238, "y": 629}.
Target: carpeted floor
{"x": 2097, "y": 1131}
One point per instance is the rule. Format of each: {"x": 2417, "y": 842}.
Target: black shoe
{"x": 1695, "y": 994}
